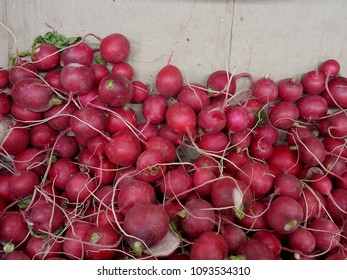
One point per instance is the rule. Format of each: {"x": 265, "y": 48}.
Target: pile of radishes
{"x": 98, "y": 165}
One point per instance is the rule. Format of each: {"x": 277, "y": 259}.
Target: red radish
{"x": 79, "y": 52}
{"x": 166, "y": 132}
{"x": 204, "y": 161}
{"x": 221, "y": 81}
{"x": 16, "y": 255}
{"x": 209, "y": 246}
{"x": 4, "y": 78}
{"x": 290, "y": 89}
{"x": 176, "y": 183}
{"x": 101, "y": 242}
{"x": 24, "y": 183}
{"x": 123, "y": 148}
{"x": 58, "y": 116}
{"x": 265, "y": 90}
{"x": 66, "y": 147}
{"x": 88, "y": 122}
{"x": 181, "y": 118}
{"x": 254, "y": 250}
{"x": 267, "y": 132}
{"x": 30, "y": 159}
{"x": 254, "y": 217}
{"x": 80, "y": 187}
{"x": 149, "y": 165}
{"x": 121, "y": 119}
{"x": 16, "y": 140}
{"x": 330, "y": 68}
{"x": 115, "y": 48}
{"x": 326, "y": 233}
{"x": 25, "y": 115}
{"x": 164, "y": 145}
{"x": 234, "y": 236}
{"x": 73, "y": 245}
{"x": 5, "y": 104}
{"x": 257, "y": 176}
{"x": 285, "y": 159}
{"x": 336, "y": 165}
{"x": 335, "y": 146}
{"x": 287, "y": 185}
{"x": 76, "y": 78}
{"x": 312, "y": 108}
{"x": 284, "y": 215}
{"x": 231, "y": 196}
{"x": 234, "y": 160}
{"x": 61, "y": 171}
{"x": 106, "y": 196}
{"x": 260, "y": 148}
{"x": 302, "y": 240}
{"x": 256, "y": 112}
{"x": 45, "y": 57}
{"x": 336, "y": 205}
{"x": 5, "y": 192}
{"x": 270, "y": 240}
{"x": 203, "y": 179}
{"x": 39, "y": 248}
{"x": 22, "y": 70}
{"x": 335, "y": 92}
{"x": 154, "y": 108}
{"x": 211, "y": 119}
{"x": 337, "y": 125}
{"x": 123, "y": 68}
{"x": 296, "y": 134}
{"x": 34, "y": 95}
{"x": 237, "y": 119}
{"x": 140, "y": 91}
{"x": 321, "y": 183}
{"x": 42, "y": 136}
{"x": 283, "y": 114}
{"x": 145, "y": 225}
{"x": 312, "y": 151}
{"x": 13, "y": 228}
{"x": 312, "y": 203}
{"x": 91, "y": 98}
{"x": 135, "y": 193}
{"x": 147, "y": 131}
{"x": 241, "y": 140}
{"x": 313, "y": 82}
{"x": 52, "y": 77}
{"x": 169, "y": 81}
{"x": 195, "y": 95}
{"x": 115, "y": 90}
{"x": 213, "y": 142}
{"x": 99, "y": 72}
{"x": 96, "y": 145}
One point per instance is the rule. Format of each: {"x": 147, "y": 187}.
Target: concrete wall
{"x": 280, "y": 37}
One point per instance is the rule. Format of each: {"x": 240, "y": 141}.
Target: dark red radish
{"x": 211, "y": 119}
{"x": 76, "y": 78}
{"x": 312, "y": 203}
{"x": 4, "y": 78}
{"x": 61, "y": 171}
{"x": 287, "y": 185}
{"x": 257, "y": 176}
{"x": 335, "y": 93}
{"x": 23, "y": 184}
{"x": 22, "y": 70}
{"x": 16, "y": 255}
{"x": 312, "y": 108}
{"x": 209, "y": 246}
{"x": 166, "y": 132}
{"x": 335, "y": 146}
{"x": 96, "y": 145}
{"x": 5, "y": 192}
{"x": 34, "y": 95}
{"x": 52, "y": 77}
{"x": 88, "y": 122}
{"x": 176, "y": 183}
{"x": 42, "y": 136}
{"x": 284, "y": 215}
{"x": 337, "y": 125}
{"x": 216, "y": 142}
{"x": 17, "y": 140}
{"x": 254, "y": 250}
{"x": 147, "y": 131}
{"x": 260, "y": 148}
{"x": 181, "y": 118}
{"x": 45, "y": 217}
{"x": 106, "y": 196}
{"x": 197, "y": 218}
{"x": 135, "y": 193}
{"x": 311, "y": 151}
{"x": 336, "y": 205}
{"x": 297, "y": 133}
{"x": 73, "y": 245}
{"x": 140, "y": 91}
{"x": 237, "y": 119}
{"x": 204, "y": 161}
{"x": 330, "y": 68}
{"x": 164, "y": 145}
{"x": 31, "y": 159}
{"x": 221, "y": 82}
{"x": 240, "y": 140}
{"x": 169, "y": 81}
{"x": 150, "y": 165}
{"x": 283, "y": 114}
{"x": 203, "y": 179}
{"x": 254, "y": 217}
{"x": 58, "y": 116}
{"x": 270, "y": 240}
{"x": 121, "y": 118}
{"x": 172, "y": 209}
{"x": 321, "y": 183}
{"x": 80, "y": 187}
{"x": 123, "y": 148}
{"x": 79, "y": 52}
{"x": 335, "y": 165}
{"x": 115, "y": 48}
{"x": 5, "y": 104}
{"x": 290, "y": 89}
{"x": 124, "y": 69}
{"x": 195, "y": 95}
{"x": 256, "y": 112}
{"x": 13, "y": 228}
{"x": 99, "y": 72}
{"x": 234, "y": 160}
{"x": 267, "y": 132}
{"x": 341, "y": 181}
{"x": 265, "y": 90}
{"x": 234, "y": 236}
{"x": 313, "y": 82}
{"x": 101, "y": 242}
{"x": 302, "y": 240}
{"x": 45, "y": 57}
{"x": 115, "y": 90}
{"x": 154, "y": 108}
{"x": 231, "y": 196}
{"x": 42, "y": 248}
{"x": 285, "y": 159}
{"x": 66, "y": 147}
{"x": 326, "y": 233}
{"x": 145, "y": 225}
{"x": 23, "y": 114}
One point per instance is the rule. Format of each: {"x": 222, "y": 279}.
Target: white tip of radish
{"x": 166, "y": 246}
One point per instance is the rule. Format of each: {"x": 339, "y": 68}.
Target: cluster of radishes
{"x": 98, "y": 165}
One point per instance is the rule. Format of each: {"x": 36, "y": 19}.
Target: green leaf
{"x": 23, "y": 204}
{"x": 100, "y": 60}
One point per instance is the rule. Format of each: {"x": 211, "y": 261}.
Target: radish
{"x": 312, "y": 203}
{"x": 321, "y": 183}
{"x": 285, "y": 159}
{"x": 254, "y": 250}
{"x": 169, "y": 81}
{"x": 52, "y": 78}
{"x": 166, "y": 132}
{"x": 147, "y": 131}
{"x": 34, "y": 95}
{"x": 330, "y": 68}
{"x": 302, "y": 240}
{"x": 24, "y": 183}
{"x": 203, "y": 181}
{"x": 154, "y": 108}
{"x": 66, "y": 147}
{"x": 181, "y": 118}
{"x": 121, "y": 119}
{"x": 270, "y": 240}
{"x": 287, "y": 185}
{"x": 211, "y": 119}
{"x": 13, "y": 228}
{"x": 5, "y": 192}
{"x": 241, "y": 140}
{"x": 39, "y": 248}
{"x": 209, "y": 246}
{"x": 140, "y": 91}
{"x": 312, "y": 151}
{"x": 221, "y": 82}
{"x": 336, "y": 205}
{"x": 115, "y": 90}
{"x": 312, "y": 108}
{"x": 16, "y": 255}
{"x": 260, "y": 148}
{"x": 290, "y": 89}
{"x": 265, "y": 90}
{"x": 266, "y": 132}
{"x": 295, "y": 134}
{"x": 124, "y": 69}
{"x": 284, "y": 215}
{"x": 22, "y": 70}
{"x": 176, "y": 183}
{"x": 335, "y": 92}
{"x": 4, "y": 78}
{"x": 213, "y": 142}
{"x": 283, "y": 114}
{"x": 42, "y": 136}
{"x": 149, "y": 165}
{"x": 16, "y": 140}
{"x": 335, "y": 146}
{"x": 23, "y": 114}
{"x": 80, "y": 187}
{"x": 145, "y": 225}
{"x": 195, "y": 95}
{"x": 254, "y": 217}
{"x": 60, "y": 172}
{"x": 5, "y": 104}
{"x": 99, "y": 72}
{"x": 237, "y": 119}
{"x": 313, "y": 82}
{"x": 204, "y": 161}
{"x": 234, "y": 236}
{"x": 115, "y": 48}
{"x": 76, "y": 78}
{"x": 234, "y": 160}
{"x": 45, "y": 57}
{"x": 164, "y": 145}
{"x": 79, "y": 52}
{"x": 31, "y": 159}
{"x": 58, "y": 116}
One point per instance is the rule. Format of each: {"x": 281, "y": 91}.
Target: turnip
{"x": 79, "y": 52}
{"x": 265, "y": 90}
{"x": 209, "y": 246}
{"x": 34, "y": 95}
{"x": 284, "y": 215}
{"x": 124, "y": 69}
{"x": 145, "y": 225}
{"x": 115, "y": 90}
{"x": 115, "y": 48}
{"x": 45, "y": 57}
{"x": 169, "y": 81}
{"x": 76, "y": 78}
{"x": 290, "y": 89}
